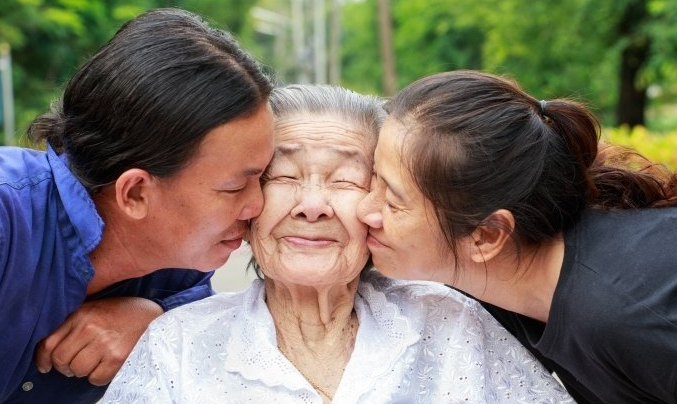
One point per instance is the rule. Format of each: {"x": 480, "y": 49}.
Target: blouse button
{"x": 27, "y": 386}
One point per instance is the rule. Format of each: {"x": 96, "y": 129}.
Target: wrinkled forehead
{"x": 298, "y": 136}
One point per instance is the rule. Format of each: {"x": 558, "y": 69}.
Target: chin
{"x": 384, "y": 267}
{"x": 400, "y": 272}
{"x": 210, "y": 265}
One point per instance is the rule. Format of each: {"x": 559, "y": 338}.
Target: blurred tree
{"x": 619, "y": 56}
{"x": 428, "y": 38}
{"x": 51, "y": 38}
{"x": 632, "y": 94}
{"x": 606, "y": 53}
{"x": 431, "y": 36}
{"x": 361, "y": 70}
{"x": 385, "y": 34}
{"x": 225, "y": 14}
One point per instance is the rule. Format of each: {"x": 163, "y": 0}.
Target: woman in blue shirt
{"x": 152, "y": 161}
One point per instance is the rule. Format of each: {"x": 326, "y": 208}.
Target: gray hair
{"x": 364, "y": 111}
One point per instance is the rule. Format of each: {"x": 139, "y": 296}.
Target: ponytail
{"x": 49, "y": 127}
{"x": 624, "y": 179}
{"x": 616, "y": 177}
{"x": 494, "y": 146}
{"x": 579, "y": 133}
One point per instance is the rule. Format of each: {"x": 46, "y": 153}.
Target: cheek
{"x": 276, "y": 208}
{"x": 357, "y": 231}
{"x": 261, "y": 242}
{"x": 409, "y": 235}
{"x": 395, "y": 227}
{"x": 278, "y": 203}
{"x": 345, "y": 207}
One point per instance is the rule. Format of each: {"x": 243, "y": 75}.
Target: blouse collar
{"x": 382, "y": 339}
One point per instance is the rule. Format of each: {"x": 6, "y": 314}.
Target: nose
{"x": 369, "y": 209}
{"x": 312, "y": 203}
{"x": 254, "y": 204}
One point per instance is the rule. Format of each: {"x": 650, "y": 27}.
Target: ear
{"x": 490, "y": 238}
{"x": 132, "y": 192}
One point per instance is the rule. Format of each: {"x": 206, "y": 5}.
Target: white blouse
{"x": 417, "y": 342}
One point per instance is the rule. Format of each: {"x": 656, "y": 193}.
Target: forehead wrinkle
{"x": 323, "y": 127}
{"x": 297, "y": 136}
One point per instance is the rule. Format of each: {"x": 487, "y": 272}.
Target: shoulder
{"x": 615, "y": 249}
{"x": 21, "y": 167}
{"x": 25, "y": 181}
{"x": 625, "y": 224}
{"x": 418, "y": 298}
{"x": 413, "y": 291}
{"x": 621, "y": 255}
{"x": 213, "y": 311}
{"x": 25, "y": 184}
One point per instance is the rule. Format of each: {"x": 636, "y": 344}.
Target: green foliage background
{"x": 51, "y": 38}
{"x": 565, "y": 48}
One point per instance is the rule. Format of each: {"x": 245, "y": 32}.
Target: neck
{"x": 311, "y": 313}
{"x": 526, "y": 287}
{"x": 114, "y": 259}
{"x": 316, "y": 329}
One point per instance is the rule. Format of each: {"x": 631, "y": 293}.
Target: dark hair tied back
{"x": 480, "y": 143}
{"x": 149, "y": 96}
{"x": 49, "y": 127}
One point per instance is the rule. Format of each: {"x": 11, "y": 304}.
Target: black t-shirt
{"x": 611, "y": 334}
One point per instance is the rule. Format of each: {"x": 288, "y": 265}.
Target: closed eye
{"x": 390, "y": 206}
{"x": 283, "y": 179}
{"x": 234, "y": 190}
{"x": 347, "y": 184}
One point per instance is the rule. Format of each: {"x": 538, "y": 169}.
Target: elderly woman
{"x": 318, "y": 328}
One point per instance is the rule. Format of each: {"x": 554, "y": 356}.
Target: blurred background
{"x": 617, "y": 56}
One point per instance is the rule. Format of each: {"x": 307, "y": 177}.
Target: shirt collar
{"x": 382, "y": 339}
{"x": 255, "y": 345}
{"x": 77, "y": 203}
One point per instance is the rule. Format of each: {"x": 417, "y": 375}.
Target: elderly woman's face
{"x": 308, "y": 232}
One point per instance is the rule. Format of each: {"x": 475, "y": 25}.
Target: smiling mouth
{"x": 308, "y": 241}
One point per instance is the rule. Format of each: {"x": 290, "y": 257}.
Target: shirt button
{"x": 27, "y": 386}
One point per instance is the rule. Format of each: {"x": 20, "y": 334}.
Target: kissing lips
{"x": 233, "y": 243}
{"x": 373, "y": 242}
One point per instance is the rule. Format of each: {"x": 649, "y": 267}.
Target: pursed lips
{"x": 240, "y": 232}
{"x": 236, "y": 237}
{"x": 371, "y": 239}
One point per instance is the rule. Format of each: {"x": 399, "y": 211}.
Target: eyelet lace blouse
{"x": 417, "y": 342}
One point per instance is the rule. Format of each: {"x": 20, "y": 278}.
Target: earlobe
{"x": 490, "y": 238}
{"x": 132, "y": 192}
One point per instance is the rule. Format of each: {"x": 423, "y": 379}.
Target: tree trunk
{"x": 387, "y": 52}
{"x": 335, "y": 43}
{"x": 631, "y": 96}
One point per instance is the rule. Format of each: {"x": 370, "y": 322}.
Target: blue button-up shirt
{"x": 48, "y": 226}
